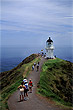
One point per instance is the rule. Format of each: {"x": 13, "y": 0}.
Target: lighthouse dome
{"x": 49, "y": 40}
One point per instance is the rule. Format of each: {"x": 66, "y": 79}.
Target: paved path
{"x": 34, "y": 102}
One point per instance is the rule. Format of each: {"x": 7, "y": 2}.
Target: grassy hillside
{"x": 10, "y": 80}
{"x": 9, "y": 77}
{"x": 56, "y": 81}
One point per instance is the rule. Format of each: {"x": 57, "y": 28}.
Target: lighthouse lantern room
{"x": 49, "y": 49}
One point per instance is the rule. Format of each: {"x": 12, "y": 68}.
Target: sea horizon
{"x": 12, "y": 56}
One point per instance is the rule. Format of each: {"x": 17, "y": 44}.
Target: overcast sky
{"x": 31, "y": 22}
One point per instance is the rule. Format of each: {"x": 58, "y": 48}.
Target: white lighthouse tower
{"x": 49, "y": 49}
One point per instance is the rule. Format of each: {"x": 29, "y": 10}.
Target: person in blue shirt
{"x": 26, "y": 90}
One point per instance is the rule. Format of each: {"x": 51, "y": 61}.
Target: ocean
{"x": 12, "y": 56}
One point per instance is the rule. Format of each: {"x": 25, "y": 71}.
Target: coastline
{"x": 13, "y": 77}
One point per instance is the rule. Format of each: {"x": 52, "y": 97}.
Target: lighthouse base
{"x": 50, "y": 57}
{"x": 49, "y": 53}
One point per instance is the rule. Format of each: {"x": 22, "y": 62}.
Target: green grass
{"x": 7, "y": 91}
{"x": 15, "y": 79}
{"x": 56, "y": 81}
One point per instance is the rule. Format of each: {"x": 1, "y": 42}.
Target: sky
{"x": 31, "y": 22}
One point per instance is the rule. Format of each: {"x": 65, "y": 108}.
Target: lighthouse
{"x": 49, "y": 49}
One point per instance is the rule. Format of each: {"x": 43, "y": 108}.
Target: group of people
{"x": 24, "y": 88}
{"x": 42, "y": 54}
{"x": 27, "y": 86}
{"x": 37, "y": 65}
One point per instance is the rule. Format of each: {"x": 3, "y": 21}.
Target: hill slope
{"x": 34, "y": 102}
{"x": 10, "y": 80}
{"x": 56, "y": 81}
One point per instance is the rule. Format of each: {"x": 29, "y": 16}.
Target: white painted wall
{"x": 49, "y": 50}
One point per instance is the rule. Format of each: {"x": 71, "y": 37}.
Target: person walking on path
{"x": 33, "y": 68}
{"x": 21, "y": 88}
{"x": 34, "y": 64}
{"x": 37, "y": 66}
{"x": 26, "y": 90}
{"x": 30, "y": 84}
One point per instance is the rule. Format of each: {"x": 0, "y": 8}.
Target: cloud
{"x": 37, "y": 16}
